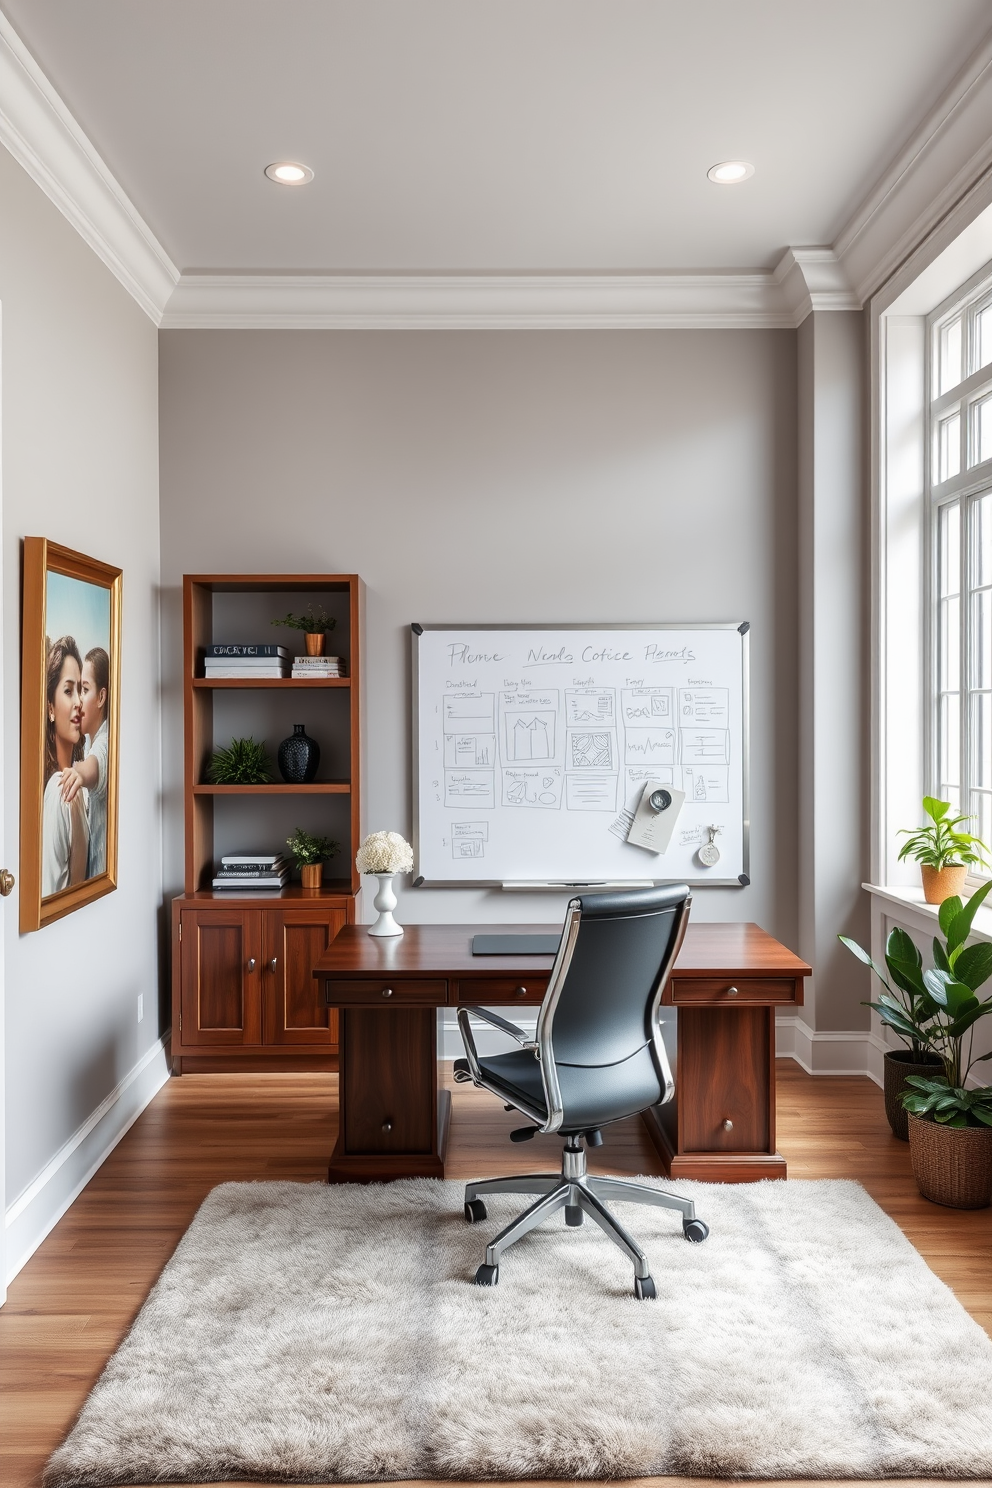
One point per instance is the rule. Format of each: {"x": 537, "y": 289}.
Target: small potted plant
{"x": 906, "y": 1007}
{"x": 243, "y": 762}
{"x": 943, "y": 851}
{"x": 314, "y": 623}
{"x": 385, "y": 854}
{"x": 310, "y": 854}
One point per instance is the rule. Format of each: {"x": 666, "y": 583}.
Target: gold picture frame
{"x": 70, "y": 731}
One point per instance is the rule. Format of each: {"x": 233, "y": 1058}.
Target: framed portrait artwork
{"x": 70, "y": 725}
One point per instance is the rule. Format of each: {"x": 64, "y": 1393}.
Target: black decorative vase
{"x": 299, "y": 756}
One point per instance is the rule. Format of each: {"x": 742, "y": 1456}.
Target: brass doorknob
{"x": 7, "y": 881}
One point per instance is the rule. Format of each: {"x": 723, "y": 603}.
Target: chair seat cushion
{"x": 590, "y": 1096}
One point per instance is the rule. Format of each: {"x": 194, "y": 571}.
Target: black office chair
{"x": 598, "y": 1057}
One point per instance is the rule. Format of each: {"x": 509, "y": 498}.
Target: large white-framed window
{"x": 958, "y": 485}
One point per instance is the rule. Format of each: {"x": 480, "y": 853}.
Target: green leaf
{"x": 947, "y": 912}
{"x": 856, "y": 950}
{"x": 903, "y": 947}
{"x": 939, "y": 958}
{"x": 984, "y": 1115}
{"x": 959, "y": 1027}
{"x": 973, "y": 965}
{"x": 935, "y": 809}
{"x": 961, "y": 924}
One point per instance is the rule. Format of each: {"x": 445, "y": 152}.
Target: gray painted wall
{"x": 80, "y": 466}
{"x": 499, "y": 476}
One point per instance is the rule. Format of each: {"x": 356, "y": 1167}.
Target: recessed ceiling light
{"x": 730, "y": 172}
{"x": 289, "y": 173}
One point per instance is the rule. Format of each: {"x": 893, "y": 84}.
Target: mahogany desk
{"x": 727, "y": 982}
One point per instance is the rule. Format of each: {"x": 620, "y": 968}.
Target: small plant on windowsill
{"x": 243, "y": 762}
{"x": 943, "y": 851}
{"x": 311, "y": 853}
{"x": 314, "y": 623}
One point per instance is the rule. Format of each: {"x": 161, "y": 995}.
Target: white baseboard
{"x": 36, "y": 1211}
{"x": 828, "y": 1053}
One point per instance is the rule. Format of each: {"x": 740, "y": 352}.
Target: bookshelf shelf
{"x": 213, "y": 684}
{"x": 278, "y": 788}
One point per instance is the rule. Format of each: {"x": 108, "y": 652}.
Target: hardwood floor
{"x": 72, "y": 1303}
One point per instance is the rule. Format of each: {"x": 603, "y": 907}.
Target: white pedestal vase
{"x": 385, "y": 903}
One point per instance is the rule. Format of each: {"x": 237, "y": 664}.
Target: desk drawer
{"x": 384, "y": 992}
{"x": 484, "y": 990}
{"x": 730, "y": 991}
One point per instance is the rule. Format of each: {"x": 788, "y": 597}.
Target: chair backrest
{"x": 616, "y": 954}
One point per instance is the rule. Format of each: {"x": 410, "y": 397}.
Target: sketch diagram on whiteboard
{"x": 468, "y": 839}
{"x": 535, "y": 786}
{"x": 590, "y": 705}
{"x": 591, "y": 751}
{"x": 469, "y": 731}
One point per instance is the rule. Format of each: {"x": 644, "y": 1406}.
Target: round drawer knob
{"x": 732, "y": 992}
{"x": 387, "y": 1126}
{"x": 387, "y": 991}
{"x": 728, "y": 1125}
{"x": 520, "y": 991}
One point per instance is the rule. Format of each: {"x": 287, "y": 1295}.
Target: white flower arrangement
{"x": 384, "y": 852}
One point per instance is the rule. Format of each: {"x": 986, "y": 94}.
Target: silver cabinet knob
{"x": 273, "y": 963}
{"x": 732, "y": 992}
{"x": 387, "y": 991}
{"x": 520, "y": 991}
{"x": 251, "y": 963}
{"x": 387, "y": 1126}
{"x": 728, "y": 1125}
{"x": 6, "y": 882}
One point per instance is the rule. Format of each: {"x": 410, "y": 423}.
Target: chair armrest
{"x": 503, "y": 1025}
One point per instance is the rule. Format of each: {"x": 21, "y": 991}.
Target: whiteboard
{"x": 533, "y": 744}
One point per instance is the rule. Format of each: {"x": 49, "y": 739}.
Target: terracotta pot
{"x": 940, "y": 883}
{"x": 952, "y": 1165}
{"x": 315, "y": 642}
{"x": 899, "y": 1063}
{"x": 311, "y": 875}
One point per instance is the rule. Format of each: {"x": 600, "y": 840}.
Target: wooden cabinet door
{"x": 221, "y": 956}
{"x": 293, "y": 998}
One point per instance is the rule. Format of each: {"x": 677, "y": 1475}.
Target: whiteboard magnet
{"x": 655, "y": 817}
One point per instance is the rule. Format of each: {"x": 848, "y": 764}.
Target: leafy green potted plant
{"x": 243, "y": 762}
{"x": 950, "y": 1126}
{"x": 943, "y": 852}
{"x": 311, "y": 853}
{"x": 314, "y": 623}
{"x": 905, "y": 1007}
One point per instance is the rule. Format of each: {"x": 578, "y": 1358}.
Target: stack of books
{"x": 252, "y": 871}
{"x": 319, "y": 666}
{"x": 246, "y": 661}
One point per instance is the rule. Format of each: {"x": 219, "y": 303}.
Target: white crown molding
{"x": 43, "y": 137}
{"x": 813, "y": 279}
{"x": 943, "y": 158}
{"x": 478, "y": 302}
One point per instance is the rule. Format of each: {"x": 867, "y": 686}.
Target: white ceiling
{"x": 496, "y": 135}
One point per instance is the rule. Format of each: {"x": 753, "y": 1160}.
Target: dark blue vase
{"x": 299, "y": 756}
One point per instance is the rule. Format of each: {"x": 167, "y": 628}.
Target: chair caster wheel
{"x": 644, "y": 1288}
{"x": 487, "y": 1276}
{"x": 573, "y": 1215}
{"x": 475, "y": 1211}
{"x": 694, "y": 1229}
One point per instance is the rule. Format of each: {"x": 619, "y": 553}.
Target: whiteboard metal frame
{"x": 743, "y": 627}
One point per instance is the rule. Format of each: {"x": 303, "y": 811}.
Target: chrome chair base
{"x": 575, "y": 1191}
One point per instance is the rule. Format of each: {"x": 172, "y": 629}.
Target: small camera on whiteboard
{"x": 655, "y": 817}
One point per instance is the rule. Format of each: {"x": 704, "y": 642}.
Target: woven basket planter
{"x": 899, "y": 1063}
{"x": 952, "y": 1165}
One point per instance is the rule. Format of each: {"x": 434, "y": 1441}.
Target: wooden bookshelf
{"x": 242, "y": 959}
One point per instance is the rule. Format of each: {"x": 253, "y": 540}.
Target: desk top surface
{"x": 723, "y": 948}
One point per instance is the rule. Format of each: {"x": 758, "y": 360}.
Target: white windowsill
{"x": 913, "y": 899}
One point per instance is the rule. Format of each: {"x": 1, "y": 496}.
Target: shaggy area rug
{"x": 320, "y": 1334}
